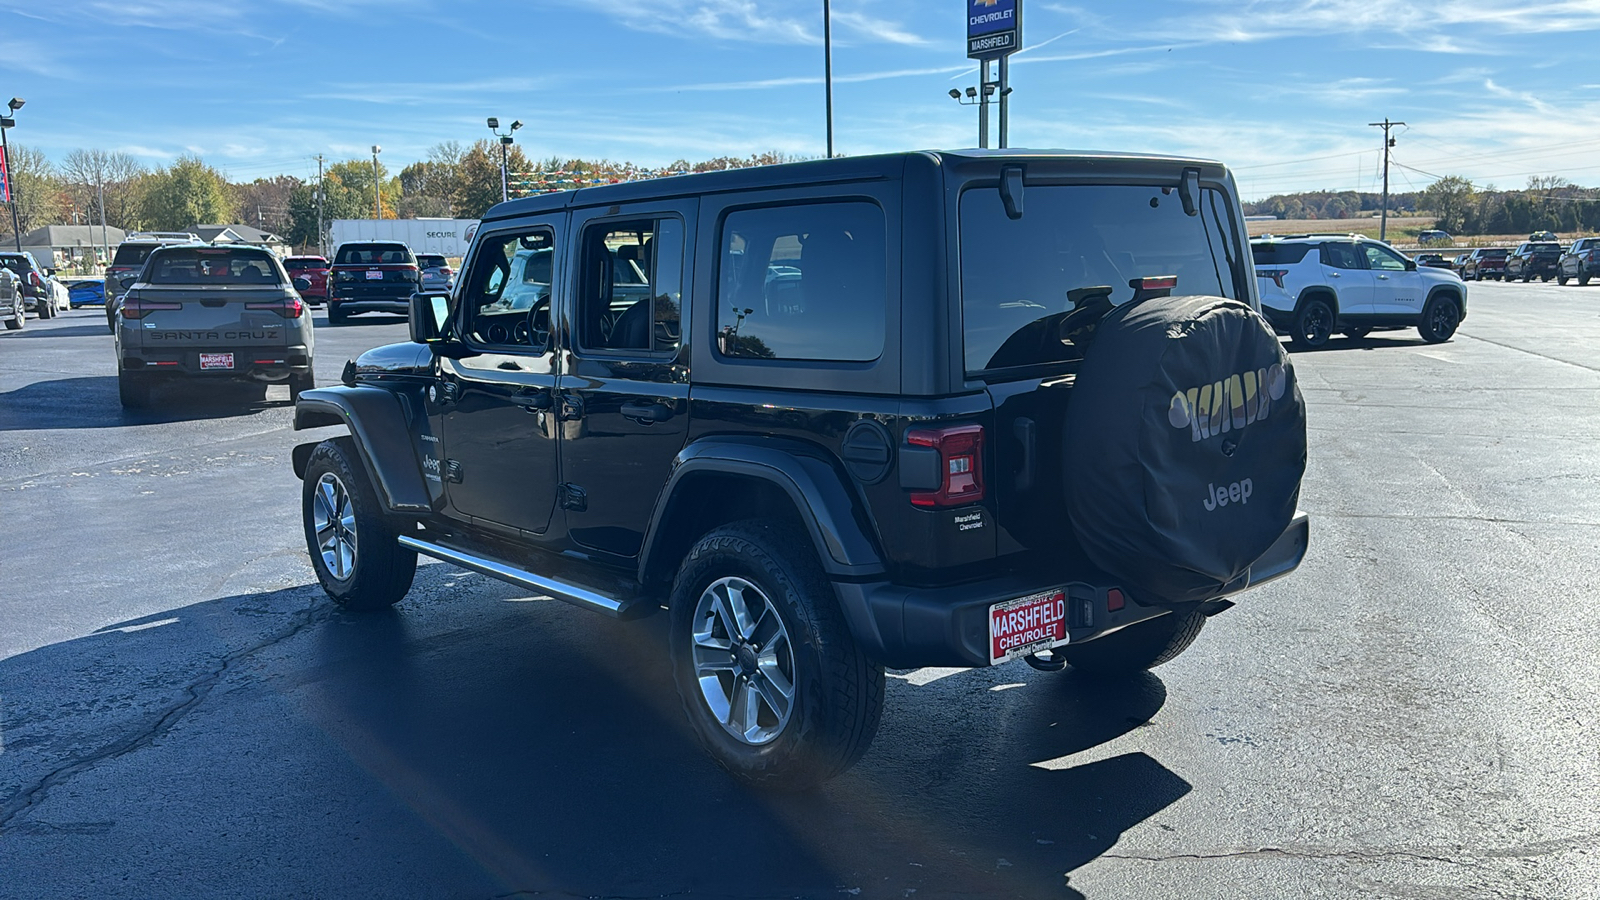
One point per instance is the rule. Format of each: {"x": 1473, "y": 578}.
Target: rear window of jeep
{"x": 1015, "y": 273}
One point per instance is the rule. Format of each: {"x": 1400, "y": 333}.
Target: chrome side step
{"x": 558, "y": 589}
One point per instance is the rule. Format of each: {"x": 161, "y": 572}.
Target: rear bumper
{"x": 908, "y": 627}
{"x": 401, "y": 305}
{"x": 1281, "y": 320}
{"x": 249, "y": 363}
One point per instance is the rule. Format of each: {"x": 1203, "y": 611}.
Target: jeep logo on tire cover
{"x": 1234, "y": 402}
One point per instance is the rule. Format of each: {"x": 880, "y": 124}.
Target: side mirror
{"x": 302, "y": 283}
{"x": 1411, "y": 265}
{"x": 427, "y": 316}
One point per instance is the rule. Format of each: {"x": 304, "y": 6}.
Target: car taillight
{"x": 133, "y": 308}
{"x": 960, "y": 449}
{"x": 291, "y": 308}
{"x": 35, "y": 280}
{"x": 1275, "y": 274}
{"x": 446, "y": 271}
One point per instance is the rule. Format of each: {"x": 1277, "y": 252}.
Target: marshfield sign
{"x": 994, "y": 28}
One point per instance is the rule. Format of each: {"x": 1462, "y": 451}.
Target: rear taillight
{"x": 134, "y": 308}
{"x": 291, "y": 308}
{"x": 446, "y": 271}
{"x": 1275, "y": 274}
{"x": 960, "y": 449}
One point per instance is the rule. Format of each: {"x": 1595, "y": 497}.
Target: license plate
{"x": 216, "y": 360}
{"x": 1027, "y": 625}
{"x": 374, "y": 276}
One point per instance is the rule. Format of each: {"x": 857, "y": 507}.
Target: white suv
{"x": 1353, "y": 285}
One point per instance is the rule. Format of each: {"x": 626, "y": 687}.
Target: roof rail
{"x": 174, "y": 237}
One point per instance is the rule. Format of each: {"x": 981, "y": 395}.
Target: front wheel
{"x": 773, "y": 683}
{"x": 1439, "y": 320}
{"x": 1313, "y": 326}
{"x": 1561, "y": 280}
{"x": 354, "y": 547}
{"x": 1136, "y": 648}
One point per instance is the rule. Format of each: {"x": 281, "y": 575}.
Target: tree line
{"x": 456, "y": 180}
{"x": 1547, "y": 203}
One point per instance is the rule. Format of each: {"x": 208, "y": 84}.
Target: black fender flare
{"x": 1321, "y": 292}
{"x": 822, "y": 499}
{"x": 1455, "y": 294}
{"x": 378, "y": 422}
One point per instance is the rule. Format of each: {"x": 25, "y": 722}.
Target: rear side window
{"x": 209, "y": 266}
{"x": 1016, "y": 274}
{"x": 1279, "y": 254}
{"x": 374, "y": 255}
{"x": 1341, "y": 256}
{"x": 631, "y": 296}
{"x": 132, "y": 254}
{"x": 804, "y": 282}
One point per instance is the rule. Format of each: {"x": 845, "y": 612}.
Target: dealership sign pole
{"x": 994, "y": 32}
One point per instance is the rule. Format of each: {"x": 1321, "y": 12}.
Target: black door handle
{"x": 646, "y": 413}
{"x": 535, "y": 401}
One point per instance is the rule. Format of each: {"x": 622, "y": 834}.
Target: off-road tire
{"x": 1440, "y": 319}
{"x": 1313, "y": 324}
{"x": 1136, "y": 648}
{"x": 838, "y": 691}
{"x": 382, "y": 570}
{"x": 133, "y": 390}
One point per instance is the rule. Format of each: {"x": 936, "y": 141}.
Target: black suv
{"x": 371, "y": 276}
{"x": 924, "y": 409}
{"x": 1534, "y": 259}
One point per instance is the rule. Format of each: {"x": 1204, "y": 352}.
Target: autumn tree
{"x": 36, "y": 190}
{"x": 188, "y": 192}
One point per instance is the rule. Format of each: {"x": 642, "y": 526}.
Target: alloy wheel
{"x": 335, "y": 524}
{"x": 1317, "y": 325}
{"x": 743, "y": 661}
{"x": 1444, "y": 319}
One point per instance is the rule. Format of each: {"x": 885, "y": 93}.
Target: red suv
{"x": 313, "y": 269}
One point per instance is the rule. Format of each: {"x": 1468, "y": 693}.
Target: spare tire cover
{"x": 1185, "y": 445}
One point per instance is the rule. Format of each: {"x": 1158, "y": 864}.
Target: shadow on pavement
{"x": 92, "y": 402}
{"x": 462, "y": 745}
{"x": 66, "y": 331}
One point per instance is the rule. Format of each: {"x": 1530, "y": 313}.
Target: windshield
{"x": 213, "y": 266}
{"x": 1016, "y": 272}
{"x": 373, "y": 254}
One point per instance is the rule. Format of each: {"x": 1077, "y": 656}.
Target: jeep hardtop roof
{"x": 819, "y": 171}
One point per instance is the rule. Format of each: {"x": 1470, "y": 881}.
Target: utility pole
{"x": 105, "y": 242}
{"x": 377, "y": 192}
{"x": 827, "y": 67}
{"x": 321, "y": 248}
{"x": 1383, "y": 224}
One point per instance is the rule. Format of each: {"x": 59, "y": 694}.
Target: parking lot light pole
{"x": 11, "y": 174}
{"x": 505, "y": 150}
{"x": 982, "y": 103}
{"x": 377, "y": 190}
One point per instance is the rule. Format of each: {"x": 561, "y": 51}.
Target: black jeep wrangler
{"x": 924, "y": 409}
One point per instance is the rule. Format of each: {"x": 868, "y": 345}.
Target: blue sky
{"x": 1283, "y": 91}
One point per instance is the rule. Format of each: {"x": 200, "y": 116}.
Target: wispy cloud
{"x": 761, "y": 21}
{"x": 790, "y": 81}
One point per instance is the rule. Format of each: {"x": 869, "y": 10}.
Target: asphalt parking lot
{"x": 1411, "y": 715}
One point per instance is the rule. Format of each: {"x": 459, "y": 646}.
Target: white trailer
{"x": 449, "y": 237}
